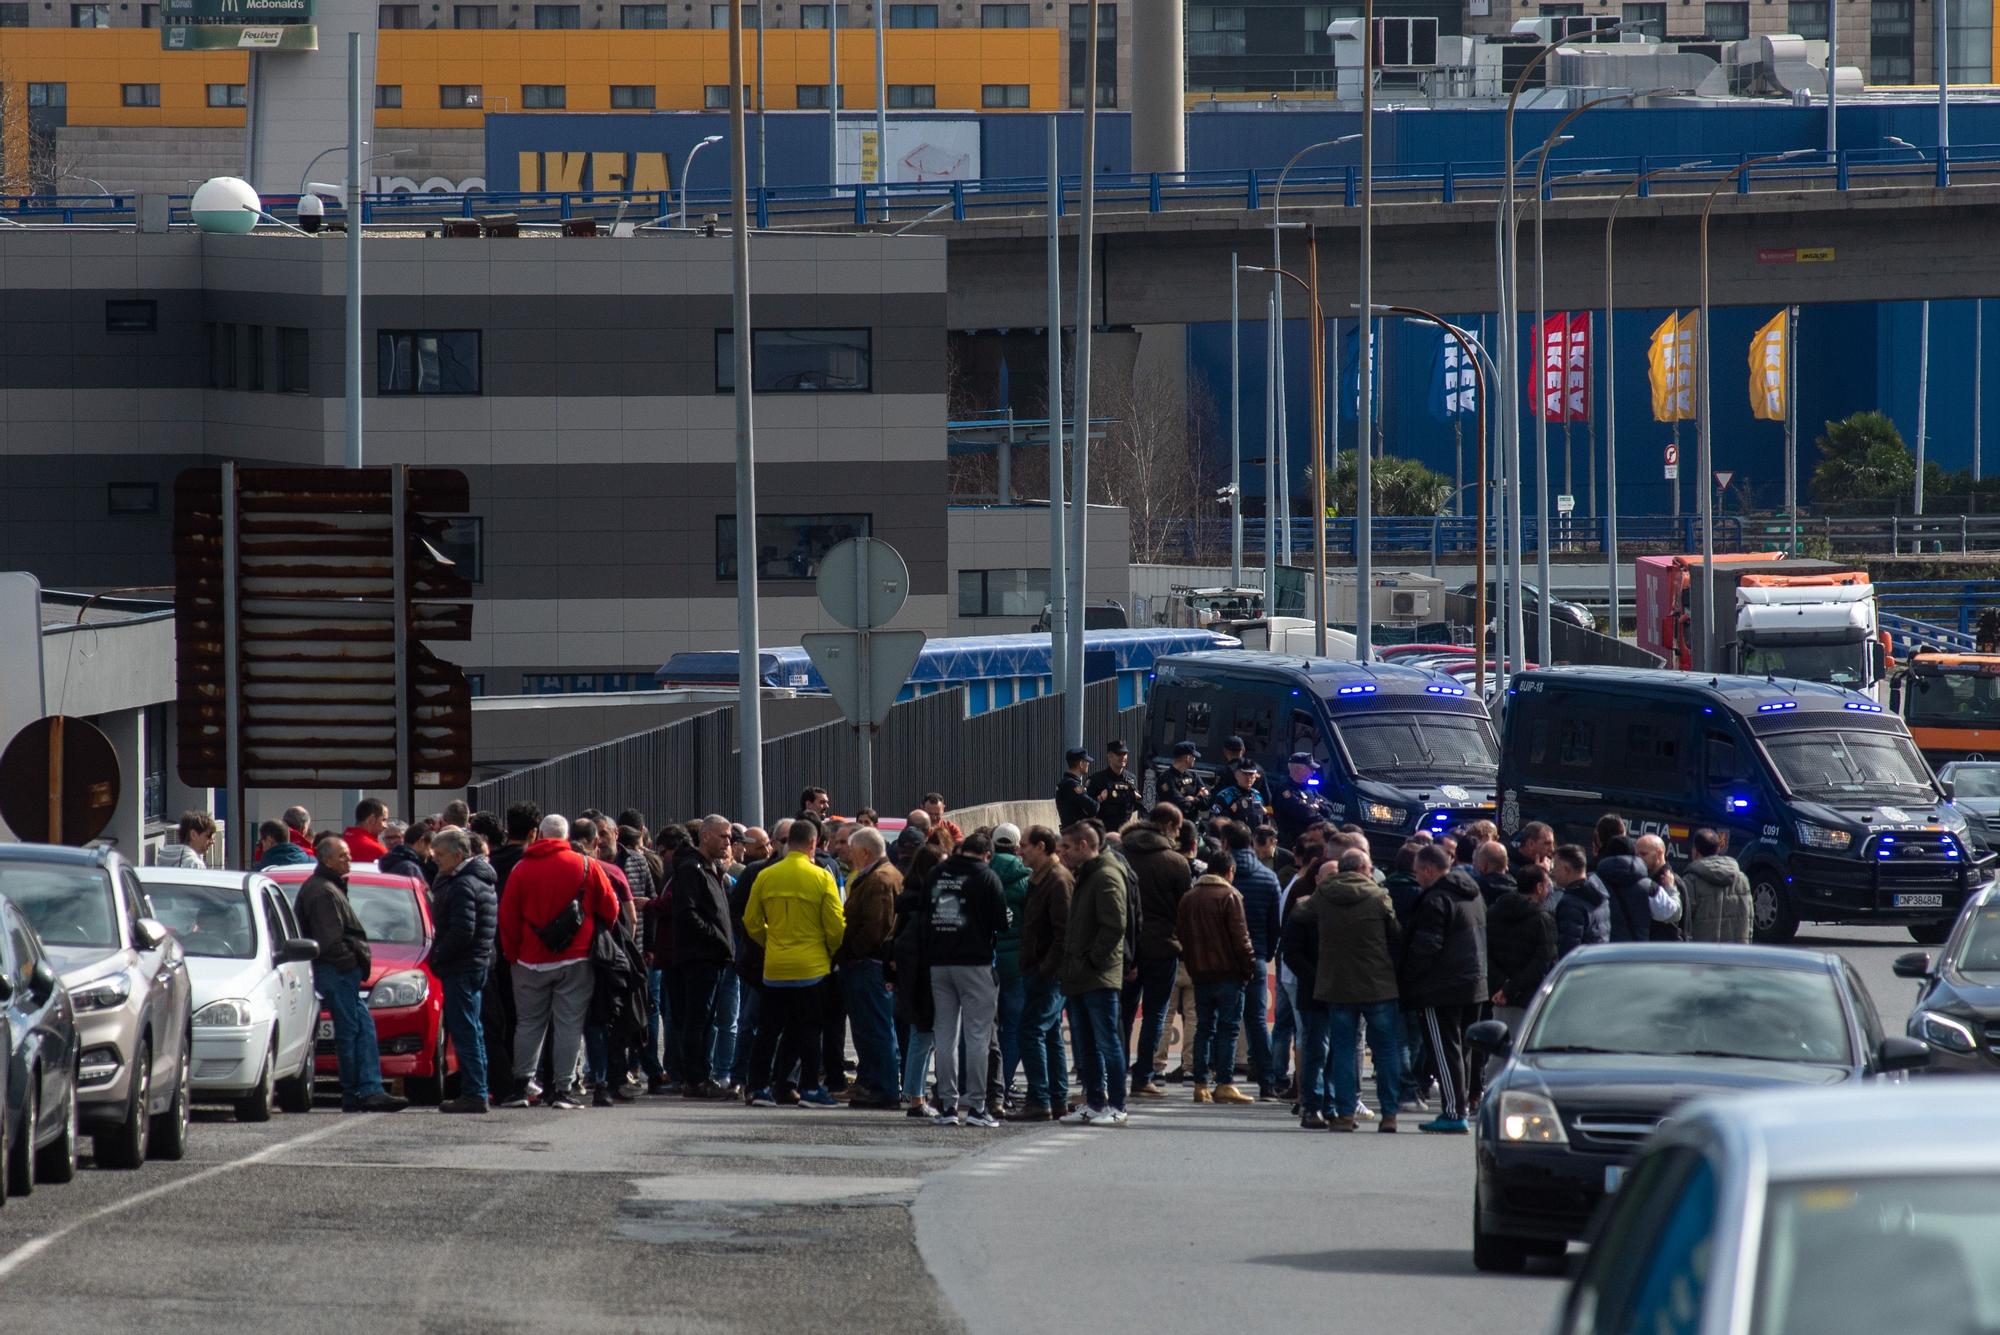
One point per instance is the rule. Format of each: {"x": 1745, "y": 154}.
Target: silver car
{"x": 1812, "y": 1213}
{"x": 129, "y": 985}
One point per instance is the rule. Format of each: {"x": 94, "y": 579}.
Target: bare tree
{"x": 1150, "y": 461}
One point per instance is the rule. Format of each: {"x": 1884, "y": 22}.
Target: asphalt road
{"x": 670, "y": 1216}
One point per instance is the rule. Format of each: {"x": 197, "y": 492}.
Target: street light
{"x": 1315, "y": 336}
{"x": 687, "y": 167}
{"x": 1611, "y": 386}
{"x": 305, "y": 177}
{"x": 1923, "y": 352}
{"x": 1704, "y": 624}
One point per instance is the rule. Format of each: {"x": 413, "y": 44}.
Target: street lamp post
{"x": 749, "y": 692}
{"x": 687, "y": 169}
{"x": 1235, "y": 426}
{"x": 1704, "y": 440}
{"x": 1316, "y": 350}
{"x": 1364, "y": 452}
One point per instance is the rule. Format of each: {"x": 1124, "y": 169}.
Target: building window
{"x": 15, "y": 15}
{"x": 460, "y": 96}
{"x": 798, "y": 361}
{"x": 132, "y": 498}
{"x": 814, "y": 16}
{"x": 463, "y": 543}
{"x": 142, "y": 95}
{"x": 913, "y": 16}
{"x": 1651, "y": 20}
{"x": 225, "y": 94}
{"x": 544, "y": 96}
{"x": 397, "y": 16}
{"x": 558, "y": 16}
{"x": 253, "y": 357}
{"x": 789, "y": 547}
{"x": 156, "y": 737}
{"x": 642, "y": 16}
{"x": 1213, "y": 30}
{"x": 718, "y": 16}
{"x": 1003, "y": 95}
{"x": 912, "y": 96}
{"x": 427, "y": 361}
{"x": 810, "y": 97}
{"x": 48, "y": 94}
{"x": 149, "y": 16}
{"x": 1892, "y": 52}
{"x": 475, "y": 16}
{"x": 1726, "y": 20}
{"x": 1003, "y": 16}
{"x": 90, "y": 16}
{"x": 633, "y": 97}
{"x": 1969, "y": 41}
{"x": 222, "y": 356}
{"x": 716, "y": 97}
{"x": 131, "y": 317}
{"x": 294, "y": 361}
{"x": 1107, "y": 53}
{"x": 1002, "y": 593}
{"x": 389, "y": 96}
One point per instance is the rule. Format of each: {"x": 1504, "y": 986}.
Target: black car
{"x": 38, "y": 1078}
{"x": 1958, "y": 1000}
{"x": 1561, "y": 609}
{"x": 1620, "y": 1036}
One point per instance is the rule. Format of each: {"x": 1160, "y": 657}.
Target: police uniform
{"x": 1184, "y": 790}
{"x": 1116, "y": 795}
{"x": 1297, "y": 808}
{"x": 1240, "y": 803}
{"x": 1072, "y": 802}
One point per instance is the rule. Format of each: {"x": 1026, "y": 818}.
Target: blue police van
{"x": 1829, "y": 807}
{"x": 1398, "y": 749}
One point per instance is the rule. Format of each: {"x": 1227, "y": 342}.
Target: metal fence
{"x": 683, "y": 768}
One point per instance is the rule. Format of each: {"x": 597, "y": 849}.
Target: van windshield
{"x": 1411, "y": 749}
{"x": 1839, "y": 764}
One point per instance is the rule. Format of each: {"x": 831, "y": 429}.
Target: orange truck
{"x": 1951, "y": 703}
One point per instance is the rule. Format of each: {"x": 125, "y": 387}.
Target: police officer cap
{"x": 1233, "y": 744}
{"x": 1076, "y": 754}
{"x": 1246, "y": 766}
{"x": 1186, "y": 749}
{"x": 1301, "y": 758}
{"x": 1114, "y": 748}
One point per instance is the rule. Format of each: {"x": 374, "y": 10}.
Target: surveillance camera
{"x": 312, "y": 213}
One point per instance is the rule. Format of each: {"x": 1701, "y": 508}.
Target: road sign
{"x": 888, "y": 656}
{"x": 1671, "y": 472}
{"x": 1673, "y": 455}
{"x": 59, "y": 782}
{"x": 1723, "y": 477}
{"x": 1565, "y": 505}
{"x": 863, "y": 583}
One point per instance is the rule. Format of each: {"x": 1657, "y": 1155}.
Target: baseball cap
{"x": 1233, "y": 744}
{"x": 1075, "y": 754}
{"x": 1301, "y": 758}
{"x": 1007, "y": 836}
{"x": 1247, "y": 766}
{"x": 1114, "y": 748}
{"x": 1186, "y": 749}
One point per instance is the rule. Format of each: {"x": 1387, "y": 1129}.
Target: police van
{"x": 1830, "y": 809}
{"x": 1399, "y": 749}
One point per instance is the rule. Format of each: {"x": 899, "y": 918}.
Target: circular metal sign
{"x": 59, "y": 782}
{"x": 863, "y": 583}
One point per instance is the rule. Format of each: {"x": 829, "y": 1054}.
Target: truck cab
{"x": 1951, "y": 703}
{"x": 1814, "y": 627}
{"x": 1399, "y": 749}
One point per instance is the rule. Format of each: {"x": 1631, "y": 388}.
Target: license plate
{"x": 1613, "y": 1175}
{"x": 326, "y": 1029}
{"x": 1918, "y": 901}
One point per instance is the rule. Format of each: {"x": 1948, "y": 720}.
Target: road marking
{"x": 27, "y": 1251}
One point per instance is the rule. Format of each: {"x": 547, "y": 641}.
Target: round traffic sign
{"x": 1673, "y": 454}
{"x": 58, "y": 782}
{"x": 863, "y": 583}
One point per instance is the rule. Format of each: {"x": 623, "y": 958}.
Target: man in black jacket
{"x": 468, "y": 914}
{"x": 1629, "y": 888}
{"x": 1520, "y": 947}
{"x": 1073, "y": 803}
{"x": 967, "y": 913}
{"x": 1444, "y": 977}
{"x": 703, "y": 947}
{"x": 343, "y": 966}
{"x": 1489, "y": 869}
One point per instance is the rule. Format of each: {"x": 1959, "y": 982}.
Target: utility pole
{"x": 749, "y": 694}
{"x": 1364, "y": 472}
{"x": 1235, "y": 425}
{"x": 881, "y": 110}
{"x": 1079, "y": 545}
{"x": 832, "y": 95}
{"x": 1058, "y": 571}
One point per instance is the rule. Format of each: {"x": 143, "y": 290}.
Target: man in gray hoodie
{"x": 1718, "y": 903}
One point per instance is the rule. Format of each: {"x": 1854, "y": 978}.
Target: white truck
{"x": 1819, "y": 625}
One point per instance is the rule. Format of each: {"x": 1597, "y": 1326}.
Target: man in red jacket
{"x": 364, "y": 837}
{"x": 551, "y": 987}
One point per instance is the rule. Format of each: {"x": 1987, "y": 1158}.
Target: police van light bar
{"x": 1363, "y": 688}
{"x": 1776, "y": 705}
{"x": 1861, "y": 708}
{"x": 1444, "y": 690}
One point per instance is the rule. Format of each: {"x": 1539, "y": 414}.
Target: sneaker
{"x": 1340, "y": 1124}
{"x": 624, "y": 1093}
{"x": 533, "y": 1092}
{"x": 1312, "y": 1121}
{"x": 562, "y": 1102}
{"x": 788, "y": 1098}
{"x": 1230, "y": 1094}
{"x": 818, "y": 1098}
{"x": 520, "y": 1100}
{"x": 1363, "y": 1112}
{"x": 384, "y": 1102}
{"x": 1445, "y": 1126}
{"x": 1084, "y": 1116}
{"x": 918, "y": 1108}
{"x": 464, "y": 1104}
{"x": 762, "y": 1099}
{"x": 980, "y": 1117}
{"x": 600, "y": 1097}
{"x": 1267, "y": 1093}
{"x": 1119, "y": 1117}
{"x": 945, "y": 1119}
{"x": 1387, "y": 1124}
{"x": 707, "y": 1091}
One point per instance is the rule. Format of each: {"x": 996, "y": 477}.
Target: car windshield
{"x": 211, "y": 921}
{"x": 1685, "y": 1009}
{"x": 388, "y": 913}
{"x": 1410, "y": 749}
{"x": 68, "y": 906}
{"x": 1981, "y": 951}
{"x": 1952, "y": 699}
{"x": 1837, "y": 664}
{"x": 1833, "y": 764}
{"x": 1917, "y": 1255}
{"x": 1976, "y": 781}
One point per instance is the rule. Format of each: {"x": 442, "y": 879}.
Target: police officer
{"x": 1241, "y": 801}
{"x": 1299, "y": 803}
{"x": 1113, "y": 789}
{"x": 1072, "y": 802}
{"x": 1181, "y": 785}
{"x": 1232, "y": 760}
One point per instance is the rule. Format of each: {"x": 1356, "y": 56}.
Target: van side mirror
{"x": 1898, "y": 1053}
{"x": 1916, "y": 964}
{"x": 1950, "y": 787}
{"x": 1490, "y": 1037}
{"x": 298, "y": 950}
{"x": 150, "y": 933}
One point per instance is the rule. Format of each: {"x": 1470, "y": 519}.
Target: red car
{"x": 401, "y": 992}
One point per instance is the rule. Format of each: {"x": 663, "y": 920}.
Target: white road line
{"x": 27, "y": 1251}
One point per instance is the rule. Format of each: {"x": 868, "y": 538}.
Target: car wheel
{"x": 21, "y": 1154}
{"x": 256, "y": 1105}
{"x": 1775, "y": 919}
{"x": 1493, "y": 1253}
{"x": 57, "y": 1162}
{"x": 170, "y": 1128}
{"x": 295, "y": 1093}
{"x": 125, "y": 1145}
{"x": 429, "y": 1090}
{"x": 1929, "y": 933}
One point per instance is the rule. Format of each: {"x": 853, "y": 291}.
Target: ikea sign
{"x": 575, "y": 173}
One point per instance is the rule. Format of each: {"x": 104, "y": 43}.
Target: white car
{"x": 251, "y": 970}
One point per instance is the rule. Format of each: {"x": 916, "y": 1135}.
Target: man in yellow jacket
{"x": 794, "y": 914}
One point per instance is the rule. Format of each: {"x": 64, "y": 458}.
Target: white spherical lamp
{"x": 225, "y": 204}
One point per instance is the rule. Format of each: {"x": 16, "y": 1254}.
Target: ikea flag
{"x": 1454, "y": 380}
{"x": 1768, "y": 350}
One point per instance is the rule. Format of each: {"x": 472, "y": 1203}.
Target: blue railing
{"x": 1249, "y": 189}
{"x": 1949, "y": 605}
{"x": 1456, "y": 537}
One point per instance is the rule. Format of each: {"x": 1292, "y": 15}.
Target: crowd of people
{"x": 990, "y": 974}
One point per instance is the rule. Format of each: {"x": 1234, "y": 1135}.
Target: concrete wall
{"x": 1016, "y": 537}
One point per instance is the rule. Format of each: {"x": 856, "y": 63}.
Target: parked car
{"x": 128, "y": 983}
{"x": 1958, "y": 992}
{"x": 401, "y": 992}
{"x": 38, "y": 1078}
{"x": 1617, "y": 1039}
{"x": 251, "y": 969}
{"x": 1804, "y": 1213}
{"x": 1561, "y": 609}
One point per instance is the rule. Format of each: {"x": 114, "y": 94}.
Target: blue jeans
{"x": 1042, "y": 1056}
{"x": 1384, "y": 1020}
{"x": 1283, "y": 1030}
{"x": 917, "y": 1064}
{"x": 700, "y": 985}
{"x": 462, "y": 998}
{"x": 749, "y": 1004}
{"x": 656, "y": 1015}
{"x": 1314, "y": 1086}
{"x": 722, "y": 1051}
{"x": 1256, "y": 1007}
{"x": 596, "y": 1054}
{"x": 353, "y": 1032}
{"x": 1216, "y": 1006}
{"x": 1100, "y": 1051}
{"x": 871, "y": 1016}
{"x": 1013, "y": 997}
{"x": 1148, "y": 996}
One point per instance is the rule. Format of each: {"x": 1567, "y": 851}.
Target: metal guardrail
{"x": 1250, "y": 189}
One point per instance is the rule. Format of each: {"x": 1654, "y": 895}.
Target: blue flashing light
{"x": 1888, "y": 838}
{"x": 1444, "y": 690}
{"x": 1951, "y": 852}
{"x": 1739, "y": 804}
{"x": 1884, "y": 852}
{"x": 1707, "y": 709}
{"x": 1361, "y": 688}
{"x": 1777, "y": 705}
{"x": 1312, "y": 783}
{"x": 1860, "y": 708}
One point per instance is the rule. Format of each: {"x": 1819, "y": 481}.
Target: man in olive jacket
{"x": 861, "y": 964}
{"x": 339, "y": 975}
{"x": 1359, "y": 944}
{"x": 1044, "y": 927}
{"x": 1092, "y": 971}
{"x": 1161, "y": 877}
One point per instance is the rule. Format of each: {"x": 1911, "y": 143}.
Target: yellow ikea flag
{"x": 1768, "y": 350}
{"x": 1660, "y": 368}
{"x": 1686, "y": 353}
